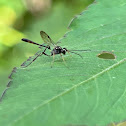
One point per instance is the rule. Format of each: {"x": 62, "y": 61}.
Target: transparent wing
{"x": 46, "y": 38}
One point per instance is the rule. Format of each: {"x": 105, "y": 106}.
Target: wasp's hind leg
{"x": 45, "y": 54}
{"x": 47, "y": 47}
{"x": 53, "y": 60}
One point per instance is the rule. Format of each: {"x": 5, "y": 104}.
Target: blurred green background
{"x": 25, "y": 18}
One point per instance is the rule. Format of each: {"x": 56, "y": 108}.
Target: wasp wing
{"x": 46, "y": 38}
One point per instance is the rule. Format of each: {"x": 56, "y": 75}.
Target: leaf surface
{"x": 89, "y": 91}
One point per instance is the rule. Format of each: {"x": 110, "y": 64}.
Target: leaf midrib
{"x": 72, "y": 88}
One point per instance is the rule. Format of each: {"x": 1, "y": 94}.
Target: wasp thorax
{"x": 56, "y": 50}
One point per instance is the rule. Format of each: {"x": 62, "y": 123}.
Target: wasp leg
{"x": 37, "y": 57}
{"x": 53, "y": 60}
{"x": 76, "y": 54}
{"x": 45, "y": 54}
{"x": 45, "y": 50}
{"x": 63, "y": 59}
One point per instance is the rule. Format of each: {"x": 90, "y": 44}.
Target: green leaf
{"x": 89, "y": 91}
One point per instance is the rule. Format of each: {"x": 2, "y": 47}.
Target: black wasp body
{"x": 58, "y": 50}
{"x": 49, "y": 42}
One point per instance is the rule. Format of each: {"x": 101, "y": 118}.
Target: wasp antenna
{"x": 77, "y": 54}
{"x": 81, "y": 50}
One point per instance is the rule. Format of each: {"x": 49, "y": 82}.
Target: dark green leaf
{"x": 88, "y": 91}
